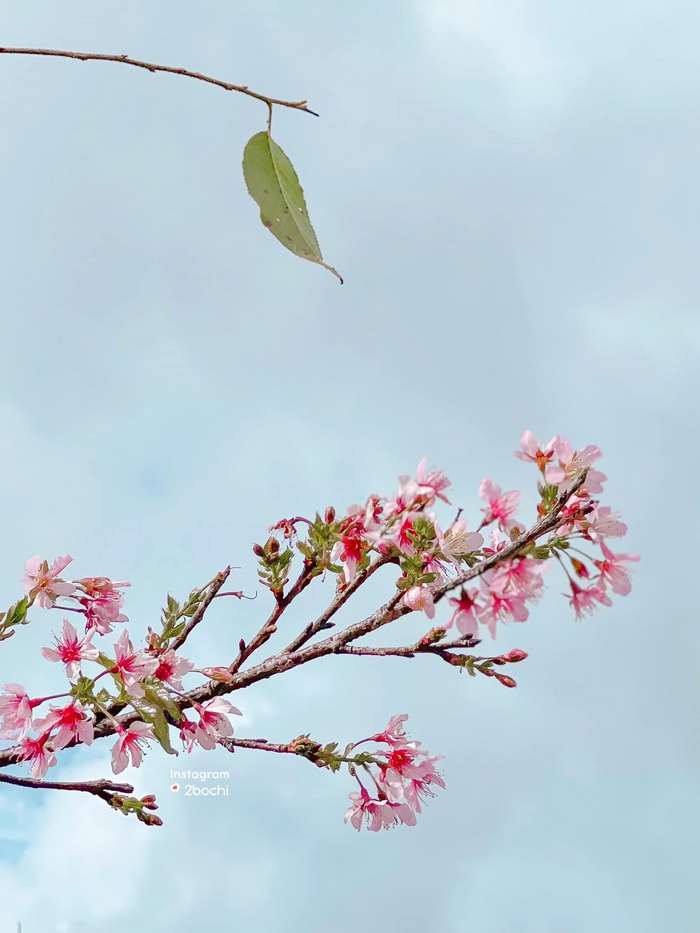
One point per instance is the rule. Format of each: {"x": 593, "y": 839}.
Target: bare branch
{"x": 103, "y": 789}
{"x": 341, "y": 598}
{"x": 269, "y": 628}
{"x": 169, "y": 69}
{"x": 214, "y": 588}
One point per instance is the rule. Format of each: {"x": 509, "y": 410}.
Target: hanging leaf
{"x": 161, "y": 730}
{"x": 274, "y": 186}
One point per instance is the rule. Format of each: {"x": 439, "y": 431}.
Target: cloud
{"x": 510, "y": 42}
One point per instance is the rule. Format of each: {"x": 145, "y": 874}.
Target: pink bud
{"x": 221, "y": 674}
{"x": 506, "y": 680}
{"x": 515, "y": 654}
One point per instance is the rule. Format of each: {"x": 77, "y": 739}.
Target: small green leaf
{"x": 161, "y": 730}
{"x": 273, "y": 184}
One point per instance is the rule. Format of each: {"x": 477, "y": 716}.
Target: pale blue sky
{"x": 510, "y": 190}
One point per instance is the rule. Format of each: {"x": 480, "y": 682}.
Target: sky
{"x": 510, "y": 190}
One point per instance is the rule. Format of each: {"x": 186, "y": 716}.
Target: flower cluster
{"x": 491, "y": 570}
{"x": 404, "y": 775}
{"x": 405, "y": 530}
{"x": 148, "y": 680}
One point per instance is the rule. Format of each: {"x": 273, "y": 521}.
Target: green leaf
{"x": 273, "y": 184}
{"x": 161, "y": 730}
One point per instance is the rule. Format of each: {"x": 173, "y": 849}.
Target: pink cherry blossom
{"x": 36, "y": 751}
{"x": 532, "y": 450}
{"x": 71, "y": 650}
{"x": 42, "y": 582}
{"x": 172, "y": 668}
{"x": 431, "y": 483}
{"x": 568, "y": 463}
{"x": 500, "y": 506}
{"x": 71, "y": 722}
{"x": 350, "y": 550}
{"x": 394, "y": 732}
{"x": 132, "y": 666}
{"x": 500, "y": 607}
{"x": 101, "y": 586}
{"x": 213, "y": 724}
{"x": 612, "y": 570}
{"x": 604, "y": 523}
{"x": 404, "y": 535}
{"x": 376, "y": 814}
{"x": 102, "y": 602}
{"x": 458, "y": 541}
{"x": 584, "y": 600}
{"x": 131, "y": 740}
{"x": 15, "y": 711}
{"x": 521, "y": 576}
{"x": 420, "y": 598}
{"x": 408, "y": 776}
{"x": 464, "y": 616}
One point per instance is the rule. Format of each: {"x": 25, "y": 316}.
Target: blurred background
{"x": 510, "y": 190}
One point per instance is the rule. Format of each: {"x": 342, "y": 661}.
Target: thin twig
{"x": 169, "y": 69}
{"x": 322, "y": 622}
{"x": 214, "y": 588}
{"x": 103, "y": 789}
{"x": 269, "y": 627}
{"x": 261, "y": 745}
{"x": 409, "y": 651}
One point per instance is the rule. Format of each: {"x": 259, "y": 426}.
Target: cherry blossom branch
{"x": 145, "y": 697}
{"x": 547, "y": 523}
{"x": 103, "y": 789}
{"x": 394, "y": 608}
{"x": 322, "y": 622}
{"x": 212, "y": 591}
{"x": 391, "y": 610}
{"x": 117, "y": 796}
{"x": 303, "y": 746}
{"x": 408, "y": 651}
{"x": 269, "y": 627}
{"x": 169, "y": 69}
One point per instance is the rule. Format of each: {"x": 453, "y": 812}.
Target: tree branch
{"x": 391, "y": 610}
{"x": 214, "y": 588}
{"x": 169, "y": 69}
{"x": 103, "y": 789}
{"x": 342, "y": 597}
{"x": 410, "y": 651}
{"x": 269, "y": 628}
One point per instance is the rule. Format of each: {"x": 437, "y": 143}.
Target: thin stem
{"x": 343, "y": 596}
{"x": 269, "y": 628}
{"x": 169, "y": 69}
{"x": 103, "y": 789}
{"x": 214, "y": 588}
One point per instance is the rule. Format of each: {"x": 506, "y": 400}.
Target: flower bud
{"x": 272, "y": 545}
{"x": 330, "y": 515}
{"x": 149, "y": 801}
{"x": 506, "y": 680}
{"x": 580, "y": 567}
{"x": 150, "y": 819}
{"x": 258, "y": 551}
{"x": 515, "y": 654}
{"x": 221, "y": 675}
